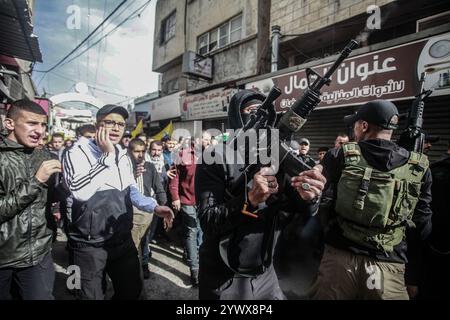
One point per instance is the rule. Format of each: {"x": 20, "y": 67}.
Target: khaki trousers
{"x": 141, "y": 222}
{"x": 344, "y": 275}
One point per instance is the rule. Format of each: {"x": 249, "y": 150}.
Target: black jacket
{"x": 440, "y": 239}
{"x": 308, "y": 160}
{"x": 25, "y": 237}
{"x": 383, "y": 155}
{"x": 152, "y": 180}
{"x": 252, "y": 239}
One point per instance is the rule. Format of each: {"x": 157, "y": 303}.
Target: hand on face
{"x": 103, "y": 140}
{"x": 115, "y": 127}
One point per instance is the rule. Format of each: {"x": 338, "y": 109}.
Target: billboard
{"x": 390, "y": 73}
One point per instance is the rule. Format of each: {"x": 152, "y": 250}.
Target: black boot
{"x": 194, "y": 278}
{"x": 146, "y": 271}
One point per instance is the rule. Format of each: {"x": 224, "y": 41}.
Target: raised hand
{"x": 102, "y": 138}
{"x": 309, "y": 184}
{"x": 264, "y": 185}
{"x": 46, "y": 169}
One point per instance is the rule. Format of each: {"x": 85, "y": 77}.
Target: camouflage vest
{"x": 374, "y": 207}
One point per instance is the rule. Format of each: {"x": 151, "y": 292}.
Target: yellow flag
{"x": 168, "y": 130}
{"x": 137, "y": 130}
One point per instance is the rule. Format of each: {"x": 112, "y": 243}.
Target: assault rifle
{"x": 413, "y": 138}
{"x": 291, "y": 122}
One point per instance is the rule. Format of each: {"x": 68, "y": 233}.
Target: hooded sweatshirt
{"x": 383, "y": 155}
{"x": 251, "y": 240}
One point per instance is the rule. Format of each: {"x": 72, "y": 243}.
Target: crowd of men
{"x": 366, "y": 203}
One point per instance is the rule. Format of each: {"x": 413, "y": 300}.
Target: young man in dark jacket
{"x": 237, "y": 250}
{"x": 380, "y": 191}
{"x": 149, "y": 184}
{"x": 25, "y": 236}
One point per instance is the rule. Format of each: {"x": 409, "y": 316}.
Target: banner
{"x": 390, "y": 73}
{"x": 207, "y": 105}
{"x": 168, "y": 130}
{"x": 137, "y": 130}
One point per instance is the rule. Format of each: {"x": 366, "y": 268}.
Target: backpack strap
{"x": 363, "y": 189}
{"x": 352, "y": 153}
{"x": 419, "y": 164}
{"x": 353, "y": 156}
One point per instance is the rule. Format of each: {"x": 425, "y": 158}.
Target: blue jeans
{"x": 192, "y": 234}
{"x": 31, "y": 283}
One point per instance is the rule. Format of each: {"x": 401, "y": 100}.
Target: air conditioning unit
{"x": 12, "y": 88}
{"x": 432, "y": 21}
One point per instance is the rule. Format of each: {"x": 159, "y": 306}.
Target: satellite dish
{"x": 82, "y": 88}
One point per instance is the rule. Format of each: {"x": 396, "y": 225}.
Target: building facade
{"x": 199, "y": 49}
{"x": 19, "y": 49}
{"x": 398, "y": 41}
{"x": 208, "y": 49}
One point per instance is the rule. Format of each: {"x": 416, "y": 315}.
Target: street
{"x": 169, "y": 275}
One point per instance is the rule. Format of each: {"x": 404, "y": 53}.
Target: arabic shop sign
{"x": 206, "y": 105}
{"x": 390, "y": 73}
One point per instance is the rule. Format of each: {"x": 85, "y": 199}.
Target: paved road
{"x": 169, "y": 278}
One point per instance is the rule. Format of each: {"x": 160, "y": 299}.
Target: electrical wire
{"x": 131, "y": 16}
{"x": 85, "y": 39}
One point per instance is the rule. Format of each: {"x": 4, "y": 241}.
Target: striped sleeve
{"x": 83, "y": 176}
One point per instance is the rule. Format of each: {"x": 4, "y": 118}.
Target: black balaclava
{"x": 239, "y": 101}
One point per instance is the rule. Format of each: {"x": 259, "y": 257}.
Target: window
{"x": 223, "y": 38}
{"x": 203, "y": 44}
{"x": 213, "y": 40}
{"x": 229, "y": 32}
{"x": 168, "y": 28}
{"x": 235, "y": 29}
{"x": 172, "y": 86}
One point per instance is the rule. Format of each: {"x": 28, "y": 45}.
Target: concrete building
{"x": 19, "y": 49}
{"x": 199, "y": 49}
{"x": 398, "y": 40}
{"x": 208, "y": 49}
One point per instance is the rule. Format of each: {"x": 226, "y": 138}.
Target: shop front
{"x": 389, "y": 70}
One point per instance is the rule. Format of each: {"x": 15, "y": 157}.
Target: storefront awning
{"x": 16, "y": 31}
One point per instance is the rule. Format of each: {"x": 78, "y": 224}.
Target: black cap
{"x": 378, "y": 112}
{"x": 432, "y": 139}
{"x": 303, "y": 141}
{"x": 112, "y": 108}
{"x": 294, "y": 145}
{"x": 127, "y": 134}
